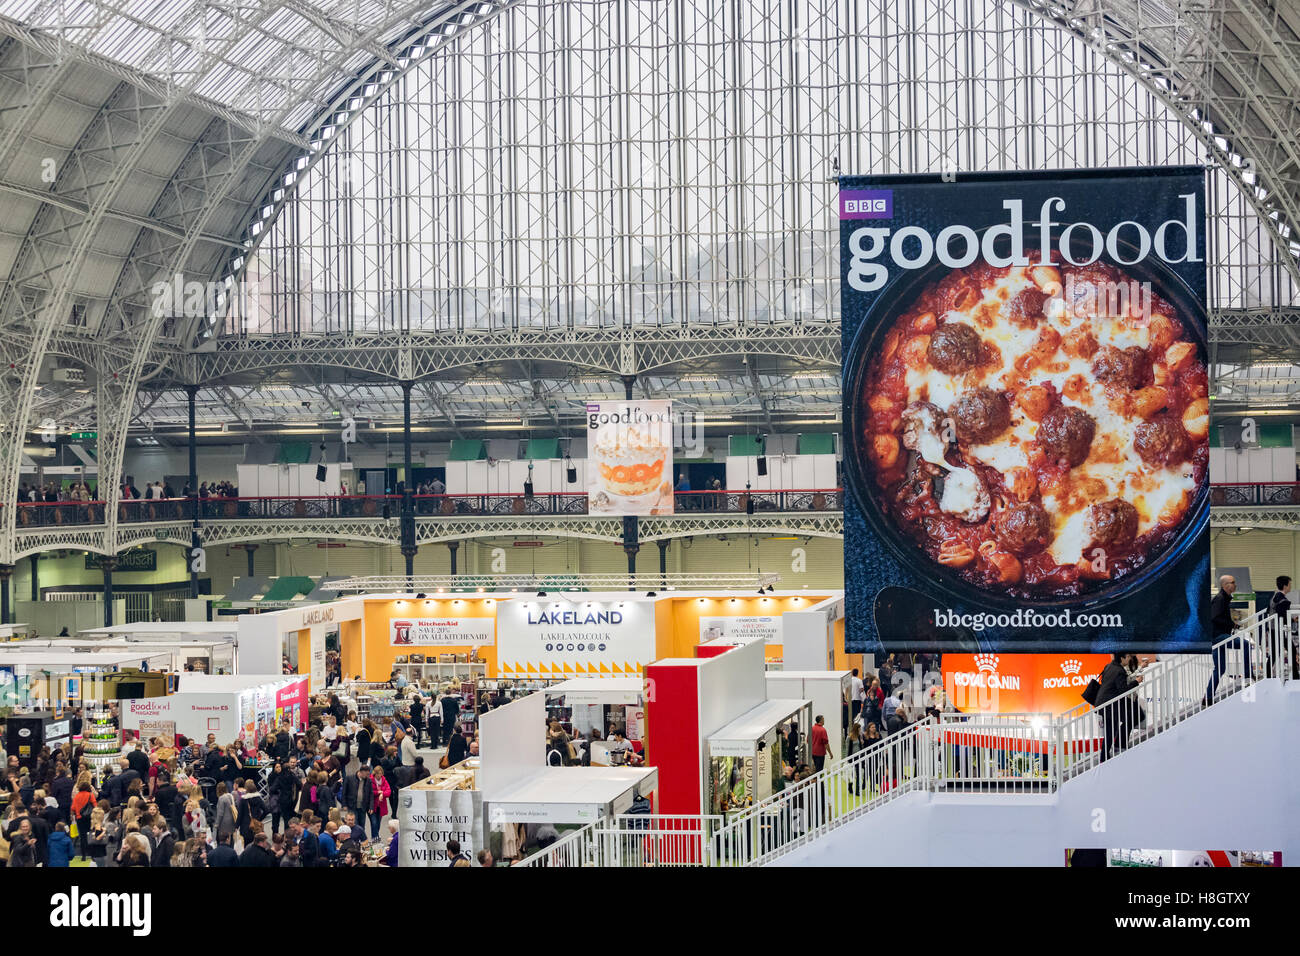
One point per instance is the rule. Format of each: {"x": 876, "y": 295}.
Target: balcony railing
{"x": 1266, "y": 494}
{"x": 49, "y": 514}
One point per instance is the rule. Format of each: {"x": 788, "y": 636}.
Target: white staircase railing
{"x": 958, "y": 753}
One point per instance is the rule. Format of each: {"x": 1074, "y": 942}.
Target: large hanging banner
{"x": 1026, "y": 410}
{"x": 403, "y": 631}
{"x": 544, "y": 638}
{"x": 429, "y": 819}
{"x": 630, "y": 458}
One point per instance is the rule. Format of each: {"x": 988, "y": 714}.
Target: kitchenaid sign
{"x": 410, "y": 631}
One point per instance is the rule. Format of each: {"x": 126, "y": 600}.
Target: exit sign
{"x": 84, "y": 436}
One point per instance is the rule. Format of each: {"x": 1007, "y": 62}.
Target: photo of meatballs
{"x": 1029, "y": 433}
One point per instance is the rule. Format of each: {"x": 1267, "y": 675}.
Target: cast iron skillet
{"x": 867, "y": 341}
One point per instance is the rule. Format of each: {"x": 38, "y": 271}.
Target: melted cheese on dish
{"x": 1113, "y": 469}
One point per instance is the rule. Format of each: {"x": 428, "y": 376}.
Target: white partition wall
{"x": 513, "y": 744}
{"x": 803, "y": 472}
{"x": 810, "y": 635}
{"x": 507, "y": 477}
{"x": 285, "y": 481}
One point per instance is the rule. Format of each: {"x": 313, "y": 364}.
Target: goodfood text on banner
{"x": 1026, "y": 408}
{"x": 413, "y": 631}
{"x": 630, "y": 458}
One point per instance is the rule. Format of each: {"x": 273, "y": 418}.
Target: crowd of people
{"x": 328, "y": 799}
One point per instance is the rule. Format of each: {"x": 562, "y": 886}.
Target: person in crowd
{"x": 329, "y": 849}
{"x": 390, "y": 857}
{"x": 454, "y": 853}
{"x": 1279, "y": 605}
{"x": 358, "y": 790}
{"x": 304, "y": 834}
{"x": 1222, "y": 627}
{"x": 251, "y": 810}
{"x": 820, "y": 743}
{"x": 380, "y": 794}
{"x": 292, "y": 857}
{"x": 61, "y": 789}
{"x": 164, "y": 842}
{"x": 857, "y": 694}
{"x": 854, "y": 745}
{"x": 485, "y": 858}
{"x": 406, "y": 747}
{"x": 458, "y": 748}
{"x": 345, "y": 838}
{"x": 60, "y": 847}
{"x": 421, "y": 771}
{"x": 792, "y": 744}
{"x": 898, "y": 720}
{"x": 83, "y": 805}
{"x": 258, "y": 853}
{"x": 282, "y": 788}
{"x": 417, "y": 718}
{"x": 22, "y": 850}
{"x": 223, "y": 855}
{"x": 450, "y": 703}
{"x": 1115, "y": 682}
{"x": 226, "y": 822}
{"x": 138, "y": 760}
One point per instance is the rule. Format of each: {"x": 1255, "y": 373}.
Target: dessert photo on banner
{"x": 1026, "y": 407}
{"x": 630, "y": 447}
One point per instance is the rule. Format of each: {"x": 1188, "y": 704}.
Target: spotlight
{"x": 651, "y": 594}
{"x": 541, "y": 594}
{"x": 762, "y": 466}
{"x": 528, "y": 489}
{"x": 420, "y": 597}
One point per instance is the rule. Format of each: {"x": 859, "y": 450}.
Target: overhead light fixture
{"x": 651, "y": 594}
{"x": 420, "y": 597}
{"x": 541, "y": 594}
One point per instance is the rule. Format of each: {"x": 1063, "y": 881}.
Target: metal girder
{"x": 1277, "y": 330}
{"x": 600, "y": 349}
{"x": 1281, "y": 519}
{"x": 77, "y": 537}
{"x": 1230, "y": 69}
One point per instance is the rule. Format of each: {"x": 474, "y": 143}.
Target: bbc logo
{"x": 867, "y": 204}
{"x": 864, "y": 205}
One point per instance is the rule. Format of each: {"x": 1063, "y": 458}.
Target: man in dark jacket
{"x": 164, "y": 844}
{"x": 308, "y": 845}
{"x": 417, "y": 718}
{"x": 120, "y": 783}
{"x": 1221, "y": 626}
{"x": 138, "y": 761}
{"x": 1279, "y": 605}
{"x": 224, "y": 854}
{"x": 61, "y": 790}
{"x": 259, "y": 854}
{"x": 450, "y": 710}
{"x": 359, "y": 792}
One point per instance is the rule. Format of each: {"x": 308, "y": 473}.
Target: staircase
{"x": 959, "y": 757}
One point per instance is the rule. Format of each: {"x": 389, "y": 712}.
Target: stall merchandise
{"x": 100, "y": 734}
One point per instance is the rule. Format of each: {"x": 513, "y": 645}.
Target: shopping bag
{"x": 1090, "y": 692}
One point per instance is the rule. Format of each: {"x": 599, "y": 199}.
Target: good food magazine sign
{"x": 630, "y": 452}
{"x": 1026, "y": 411}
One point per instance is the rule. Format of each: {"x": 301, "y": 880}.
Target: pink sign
{"x": 291, "y": 704}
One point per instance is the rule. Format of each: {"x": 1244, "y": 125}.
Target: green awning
{"x": 295, "y": 452}
{"x": 289, "y": 586}
{"x": 466, "y": 449}
{"x": 744, "y": 445}
{"x": 817, "y": 443}
{"x": 540, "y": 449}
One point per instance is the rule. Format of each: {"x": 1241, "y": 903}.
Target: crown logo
{"x": 987, "y": 662}
{"x": 1071, "y": 666}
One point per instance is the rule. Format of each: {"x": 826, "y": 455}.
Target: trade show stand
{"x": 829, "y": 693}
{"x": 689, "y": 700}
{"x": 584, "y": 704}
{"x": 507, "y": 635}
{"x": 229, "y": 706}
{"x": 514, "y": 789}
{"x": 745, "y": 755}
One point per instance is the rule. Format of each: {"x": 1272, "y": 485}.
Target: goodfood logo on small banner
{"x": 413, "y": 631}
